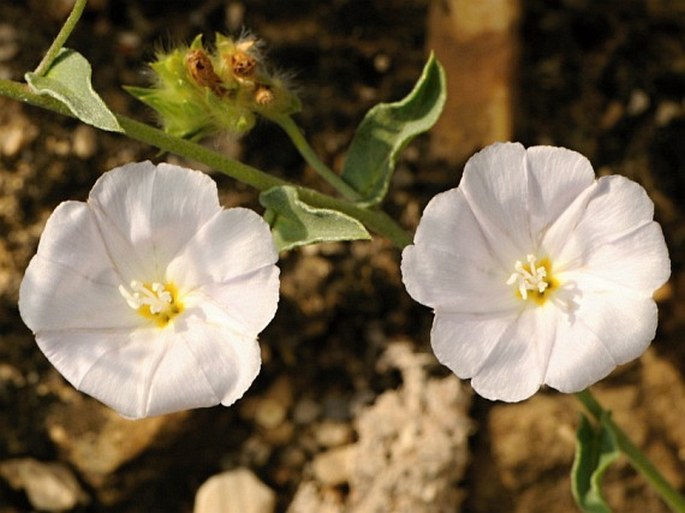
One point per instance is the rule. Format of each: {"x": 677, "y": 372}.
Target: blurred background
{"x": 351, "y": 412}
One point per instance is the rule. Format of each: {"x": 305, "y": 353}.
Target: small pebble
{"x": 12, "y": 141}
{"x": 638, "y": 103}
{"x": 306, "y": 411}
{"x": 9, "y": 46}
{"x": 235, "y": 491}
{"x": 382, "y": 63}
{"x": 48, "y": 486}
{"x": 281, "y": 435}
{"x": 270, "y": 413}
{"x": 333, "y": 434}
{"x": 666, "y": 112}
{"x": 84, "y": 143}
{"x": 333, "y": 467}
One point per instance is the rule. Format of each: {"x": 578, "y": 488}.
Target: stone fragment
{"x": 9, "y": 42}
{"x": 48, "y": 486}
{"x": 270, "y": 413}
{"x": 411, "y": 451}
{"x": 332, "y": 467}
{"x": 310, "y": 499}
{"x": 18, "y": 130}
{"x": 84, "y": 142}
{"x": 270, "y": 410}
{"x": 306, "y": 411}
{"x": 84, "y": 428}
{"x": 333, "y": 434}
{"x": 234, "y": 491}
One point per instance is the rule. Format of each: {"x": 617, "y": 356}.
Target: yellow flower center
{"x": 156, "y": 301}
{"x": 533, "y": 280}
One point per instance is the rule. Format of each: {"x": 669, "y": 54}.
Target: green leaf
{"x": 596, "y": 449}
{"x": 68, "y": 80}
{"x": 387, "y": 129}
{"x": 295, "y": 223}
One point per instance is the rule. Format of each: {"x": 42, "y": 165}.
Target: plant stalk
{"x": 61, "y": 38}
{"x": 298, "y": 139}
{"x": 637, "y": 458}
{"x": 375, "y": 220}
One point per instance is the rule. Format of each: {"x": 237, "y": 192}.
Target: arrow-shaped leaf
{"x": 295, "y": 223}
{"x": 68, "y": 80}
{"x": 596, "y": 449}
{"x": 387, "y": 129}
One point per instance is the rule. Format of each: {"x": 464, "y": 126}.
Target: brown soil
{"x": 608, "y": 82}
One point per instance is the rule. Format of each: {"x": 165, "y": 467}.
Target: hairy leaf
{"x": 387, "y": 129}
{"x": 68, "y": 80}
{"x": 295, "y": 223}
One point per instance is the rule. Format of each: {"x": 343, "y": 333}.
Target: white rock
{"x": 235, "y": 491}
{"x": 333, "y": 434}
{"x": 48, "y": 486}
{"x": 333, "y": 467}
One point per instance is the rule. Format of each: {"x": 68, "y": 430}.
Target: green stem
{"x": 296, "y": 136}
{"x": 376, "y": 220}
{"x": 61, "y": 38}
{"x": 636, "y": 457}
{"x": 233, "y": 168}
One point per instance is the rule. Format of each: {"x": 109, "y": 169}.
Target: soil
{"x": 608, "y": 82}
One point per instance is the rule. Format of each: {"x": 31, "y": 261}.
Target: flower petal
{"x": 151, "y": 371}
{"x": 638, "y": 261}
{"x": 602, "y": 256}
{"x": 617, "y": 239}
{"x": 234, "y": 243}
{"x": 556, "y": 176}
{"x": 496, "y": 188}
{"x": 579, "y": 360}
{"x": 609, "y": 328}
{"x": 148, "y": 213}
{"x": 449, "y": 284}
{"x": 139, "y": 219}
{"x": 464, "y": 341}
{"x": 71, "y": 282}
{"x": 451, "y": 267}
{"x": 250, "y": 300}
{"x": 516, "y": 366}
{"x": 229, "y": 360}
{"x": 624, "y": 315}
{"x": 117, "y": 367}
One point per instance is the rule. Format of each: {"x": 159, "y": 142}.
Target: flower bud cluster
{"x": 200, "y": 91}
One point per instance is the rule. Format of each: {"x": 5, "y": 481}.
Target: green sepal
{"x": 295, "y": 223}
{"x": 387, "y": 129}
{"x": 179, "y": 102}
{"x": 69, "y": 81}
{"x": 596, "y": 449}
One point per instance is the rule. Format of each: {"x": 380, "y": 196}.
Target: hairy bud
{"x": 200, "y": 91}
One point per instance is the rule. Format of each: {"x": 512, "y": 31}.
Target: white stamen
{"x": 157, "y": 297}
{"x": 533, "y": 278}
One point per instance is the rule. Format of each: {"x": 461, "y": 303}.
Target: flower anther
{"x": 533, "y": 280}
{"x": 155, "y": 301}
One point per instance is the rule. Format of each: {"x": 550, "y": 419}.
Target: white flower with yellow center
{"x": 537, "y": 272}
{"x": 150, "y": 296}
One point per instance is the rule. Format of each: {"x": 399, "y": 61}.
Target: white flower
{"x": 537, "y": 272}
{"x": 150, "y": 296}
